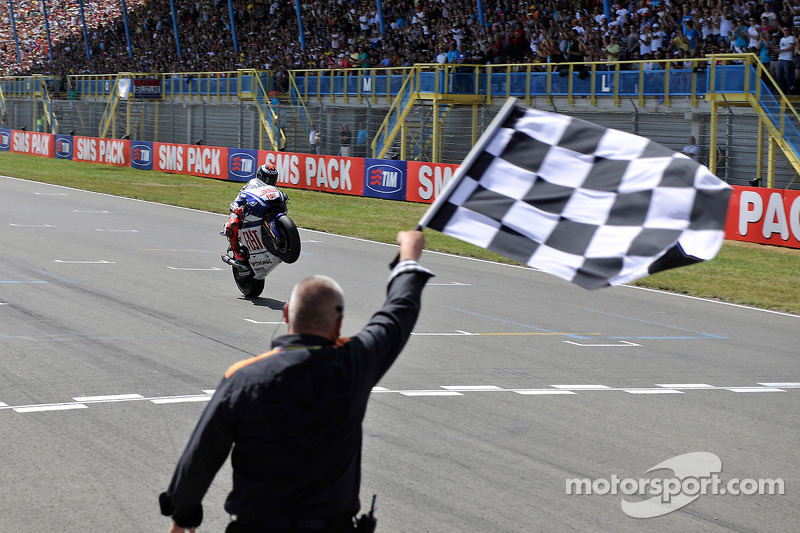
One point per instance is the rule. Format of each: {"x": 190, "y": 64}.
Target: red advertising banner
{"x": 195, "y": 160}
{"x": 766, "y": 216}
{"x": 342, "y": 175}
{"x": 107, "y": 151}
{"x": 427, "y": 180}
{"x": 32, "y": 143}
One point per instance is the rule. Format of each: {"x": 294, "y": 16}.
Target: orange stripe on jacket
{"x": 338, "y": 343}
{"x": 241, "y": 364}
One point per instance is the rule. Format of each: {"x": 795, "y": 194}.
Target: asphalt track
{"x": 117, "y": 319}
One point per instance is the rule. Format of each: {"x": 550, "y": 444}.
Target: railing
{"x": 665, "y": 78}
{"x": 269, "y": 119}
{"x": 394, "y": 119}
{"x": 109, "y": 118}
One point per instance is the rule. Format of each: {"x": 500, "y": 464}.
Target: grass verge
{"x": 743, "y": 273}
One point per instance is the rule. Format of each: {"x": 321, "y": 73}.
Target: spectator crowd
{"x": 349, "y": 34}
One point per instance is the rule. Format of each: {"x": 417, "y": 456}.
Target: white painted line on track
{"x": 446, "y": 390}
{"x": 652, "y": 391}
{"x": 620, "y": 344}
{"x": 581, "y": 387}
{"x": 111, "y": 397}
{"x": 532, "y": 392}
{"x": 182, "y": 399}
{"x": 788, "y": 385}
{"x": 451, "y": 284}
{"x": 82, "y": 211}
{"x": 42, "y": 408}
{"x": 31, "y": 225}
{"x": 98, "y": 262}
{"x": 119, "y": 230}
{"x": 753, "y": 389}
{"x": 430, "y": 393}
{"x": 466, "y": 388}
{"x": 259, "y": 322}
{"x": 685, "y": 386}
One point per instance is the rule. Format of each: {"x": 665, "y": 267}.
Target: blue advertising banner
{"x": 242, "y": 164}
{"x": 385, "y": 179}
{"x": 142, "y": 155}
{"x": 64, "y": 146}
{"x": 5, "y": 139}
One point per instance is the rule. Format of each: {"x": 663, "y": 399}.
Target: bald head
{"x": 316, "y": 307}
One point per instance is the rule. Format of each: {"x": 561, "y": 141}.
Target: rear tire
{"x": 287, "y": 246}
{"x": 247, "y": 283}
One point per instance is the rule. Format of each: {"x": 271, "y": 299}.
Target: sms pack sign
{"x": 385, "y": 179}
{"x": 107, "y": 151}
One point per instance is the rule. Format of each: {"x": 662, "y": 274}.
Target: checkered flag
{"x": 592, "y": 205}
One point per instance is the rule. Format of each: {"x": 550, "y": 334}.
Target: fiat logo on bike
{"x": 384, "y": 179}
{"x": 5, "y": 140}
{"x": 242, "y": 165}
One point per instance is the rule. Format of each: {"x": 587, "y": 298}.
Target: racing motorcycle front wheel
{"x": 286, "y": 245}
{"x": 247, "y": 283}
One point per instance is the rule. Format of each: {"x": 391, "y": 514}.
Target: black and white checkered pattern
{"x": 594, "y": 206}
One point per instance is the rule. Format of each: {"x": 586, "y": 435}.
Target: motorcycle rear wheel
{"x": 249, "y": 286}
{"x": 287, "y": 246}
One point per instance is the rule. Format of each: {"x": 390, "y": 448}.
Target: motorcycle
{"x": 267, "y": 238}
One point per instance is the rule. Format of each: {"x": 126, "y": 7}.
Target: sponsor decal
{"x": 343, "y": 175}
{"x": 5, "y": 140}
{"x": 147, "y": 88}
{"x": 108, "y": 151}
{"x": 385, "y": 179}
{"x": 427, "y": 180}
{"x": 27, "y": 142}
{"x": 208, "y": 161}
{"x": 142, "y": 155}
{"x": 63, "y": 146}
{"x": 242, "y": 164}
{"x": 765, "y": 216}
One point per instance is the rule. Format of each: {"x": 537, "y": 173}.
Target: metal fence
{"x": 236, "y": 124}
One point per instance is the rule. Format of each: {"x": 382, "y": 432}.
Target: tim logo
{"x": 141, "y": 154}
{"x": 242, "y": 165}
{"x": 385, "y": 179}
{"x": 5, "y": 140}
{"x": 63, "y": 148}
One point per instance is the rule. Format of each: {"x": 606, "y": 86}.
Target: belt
{"x": 337, "y": 523}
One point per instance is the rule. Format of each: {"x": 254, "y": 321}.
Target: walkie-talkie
{"x": 367, "y": 522}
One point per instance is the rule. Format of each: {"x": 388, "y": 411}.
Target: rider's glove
{"x": 239, "y": 210}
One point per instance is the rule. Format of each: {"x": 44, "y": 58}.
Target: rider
{"x": 268, "y": 174}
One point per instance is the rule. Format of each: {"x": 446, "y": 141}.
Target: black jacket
{"x": 293, "y": 417}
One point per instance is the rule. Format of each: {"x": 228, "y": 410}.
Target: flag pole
{"x": 473, "y": 154}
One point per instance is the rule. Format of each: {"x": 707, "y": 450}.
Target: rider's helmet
{"x": 268, "y": 174}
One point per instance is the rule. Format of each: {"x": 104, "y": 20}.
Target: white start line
{"x": 83, "y": 402}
